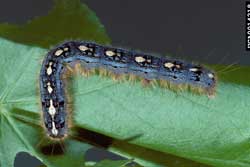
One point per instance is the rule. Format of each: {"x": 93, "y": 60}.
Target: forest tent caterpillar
{"x": 116, "y": 60}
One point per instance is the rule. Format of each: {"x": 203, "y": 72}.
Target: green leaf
{"x": 210, "y": 131}
{"x": 151, "y": 158}
{"x": 69, "y": 19}
{"x": 19, "y": 118}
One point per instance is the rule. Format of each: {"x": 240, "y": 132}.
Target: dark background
{"x": 204, "y": 31}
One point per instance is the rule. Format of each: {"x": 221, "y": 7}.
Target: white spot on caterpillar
{"x": 49, "y": 69}
{"x": 168, "y": 65}
{"x": 54, "y": 130}
{"x": 210, "y": 75}
{"x": 149, "y": 60}
{"x": 83, "y": 48}
{"x": 139, "y": 59}
{"x": 66, "y": 49}
{"x": 177, "y": 66}
{"x": 110, "y": 53}
{"x": 58, "y": 52}
{"x": 49, "y": 87}
{"x": 52, "y": 109}
{"x": 193, "y": 69}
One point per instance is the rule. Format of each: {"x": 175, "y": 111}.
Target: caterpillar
{"x": 116, "y": 60}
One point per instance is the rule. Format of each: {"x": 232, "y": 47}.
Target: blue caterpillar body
{"x": 116, "y": 60}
